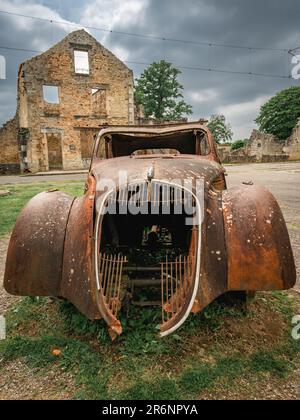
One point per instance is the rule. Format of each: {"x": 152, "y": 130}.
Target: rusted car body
{"x": 100, "y": 260}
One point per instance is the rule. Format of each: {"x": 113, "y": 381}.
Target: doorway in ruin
{"x": 87, "y": 138}
{"x": 54, "y": 142}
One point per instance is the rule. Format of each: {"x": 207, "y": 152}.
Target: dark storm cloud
{"x": 268, "y": 23}
{"x": 23, "y": 33}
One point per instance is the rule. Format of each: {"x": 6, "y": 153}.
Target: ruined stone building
{"x": 292, "y": 145}
{"x": 262, "y": 147}
{"x": 64, "y": 96}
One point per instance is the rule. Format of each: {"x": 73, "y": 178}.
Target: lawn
{"x": 225, "y": 352}
{"x": 11, "y": 205}
{"x": 222, "y": 353}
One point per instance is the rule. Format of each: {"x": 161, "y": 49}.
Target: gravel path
{"x": 19, "y": 382}
{"x": 6, "y": 300}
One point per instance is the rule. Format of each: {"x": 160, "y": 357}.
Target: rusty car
{"x": 133, "y": 231}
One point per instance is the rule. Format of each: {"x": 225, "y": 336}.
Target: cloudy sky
{"x": 271, "y": 24}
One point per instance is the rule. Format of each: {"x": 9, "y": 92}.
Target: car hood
{"x": 170, "y": 169}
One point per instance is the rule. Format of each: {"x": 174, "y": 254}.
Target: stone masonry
{"x": 262, "y": 147}
{"x": 265, "y": 147}
{"x": 9, "y": 156}
{"x": 292, "y": 145}
{"x": 64, "y": 96}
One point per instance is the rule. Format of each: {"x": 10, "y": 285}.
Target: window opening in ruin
{"x": 54, "y": 143}
{"x": 81, "y": 61}
{"x": 99, "y": 101}
{"x": 51, "y": 94}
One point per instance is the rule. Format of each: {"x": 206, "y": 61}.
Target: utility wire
{"x": 146, "y": 36}
{"x": 292, "y": 52}
{"x": 203, "y": 69}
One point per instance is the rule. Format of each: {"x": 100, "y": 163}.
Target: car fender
{"x": 78, "y": 279}
{"x": 258, "y": 246}
{"x": 34, "y": 260}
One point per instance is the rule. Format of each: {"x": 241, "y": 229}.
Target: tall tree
{"x": 221, "y": 131}
{"x": 160, "y": 93}
{"x": 280, "y": 114}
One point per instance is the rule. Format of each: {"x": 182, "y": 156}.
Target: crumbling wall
{"x": 292, "y": 145}
{"x": 265, "y": 147}
{"x": 9, "y": 154}
{"x": 78, "y": 108}
{"x": 261, "y": 147}
{"x": 224, "y": 152}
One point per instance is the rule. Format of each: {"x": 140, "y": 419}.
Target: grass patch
{"x": 266, "y": 362}
{"x": 139, "y": 365}
{"x": 283, "y": 304}
{"x": 76, "y": 356}
{"x": 22, "y": 193}
{"x": 203, "y": 376}
{"x": 213, "y": 318}
{"x": 196, "y": 380}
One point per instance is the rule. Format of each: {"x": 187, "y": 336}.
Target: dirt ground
{"x": 6, "y": 300}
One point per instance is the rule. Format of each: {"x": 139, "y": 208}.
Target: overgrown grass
{"x": 139, "y": 365}
{"x": 11, "y": 205}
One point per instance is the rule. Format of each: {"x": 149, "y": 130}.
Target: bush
{"x": 239, "y": 144}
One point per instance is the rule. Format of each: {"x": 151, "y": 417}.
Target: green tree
{"x": 280, "y": 114}
{"x": 221, "y": 131}
{"x": 160, "y": 93}
{"x": 238, "y": 144}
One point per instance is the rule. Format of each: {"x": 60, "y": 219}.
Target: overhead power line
{"x": 20, "y": 49}
{"x": 153, "y": 37}
{"x": 293, "y": 51}
{"x": 202, "y": 69}
{"x": 147, "y": 36}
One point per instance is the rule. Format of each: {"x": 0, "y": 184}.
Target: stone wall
{"x": 292, "y": 145}
{"x": 264, "y": 146}
{"x": 83, "y": 101}
{"x": 224, "y": 152}
{"x": 9, "y": 155}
